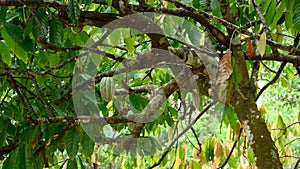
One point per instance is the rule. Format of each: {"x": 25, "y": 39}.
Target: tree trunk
{"x": 243, "y": 102}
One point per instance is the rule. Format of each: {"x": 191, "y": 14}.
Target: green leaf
{"x": 40, "y": 23}
{"x": 230, "y": 114}
{"x": 109, "y": 2}
{"x": 13, "y": 36}
{"x": 169, "y": 120}
{"x": 278, "y": 14}
{"x": 3, "y": 11}
{"x": 81, "y": 163}
{"x": 56, "y": 31}
{"x": 181, "y": 153}
{"x": 250, "y": 155}
{"x": 281, "y": 125}
{"x": 28, "y": 157}
{"x": 195, "y": 36}
{"x": 196, "y": 165}
{"x": 137, "y": 101}
{"x": 129, "y": 42}
{"x": 271, "y": 13}
{"x": 266, "y": 5}
{"x": 72, "y": 141}
{"x": 4, "y": 52}
{"x": 115, "y": 37}
{"x": 73, "y": 11}
{"x": 53, "y": 59}
{"x": 289, "y": 13}
{"x": 262, "y": 44}
{"x": 87, "y": 145}
{"x": 72, "y": 164}
{"x": 13, "y": 160}
{"x": 296, "y": 15}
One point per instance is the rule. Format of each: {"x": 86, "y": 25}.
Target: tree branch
{"x": 272, "y": 81}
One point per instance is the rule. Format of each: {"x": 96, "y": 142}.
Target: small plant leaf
{"x": 262, "y": 44}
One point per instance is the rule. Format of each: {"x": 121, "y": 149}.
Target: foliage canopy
{"x": 172, "y": 83}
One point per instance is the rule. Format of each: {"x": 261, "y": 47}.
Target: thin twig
{"x": 269, "y": 69}
{"x": 231, "y": 151}
{"x": 198, "y": 141}
{"x": 273, "y": 80}
{"x": 297, "y": 164}
{"x": 182, "y": 133}
{"x": 26, "y": 110}
{"x": 6, "y": 94}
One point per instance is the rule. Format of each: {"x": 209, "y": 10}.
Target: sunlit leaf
{"x": 279, "y": 11}
{"x": 53, "y": 59}
{"x": 12, "y": 35}
{"x": 109, "y": 2}
{"x": 271, "y": 12}
{"x": 182, "y": 152}
{"x": 289, "y": 14}
{"x": 262, "y": 44}
{"x": 129, "y": 42}
{"x": 281, "y": 124}
{"x": 5, "y": 54}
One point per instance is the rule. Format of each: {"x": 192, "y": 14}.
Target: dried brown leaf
{"x": 250, "y": 53}
{"x": 225, "y": 67}
{"x": 218, "y": 152}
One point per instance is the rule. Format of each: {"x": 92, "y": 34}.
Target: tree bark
{"x": 243, "y": 102}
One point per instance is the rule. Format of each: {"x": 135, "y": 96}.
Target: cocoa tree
{"x": 165, "y": 64}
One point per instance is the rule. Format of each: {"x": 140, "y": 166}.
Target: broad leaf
{"x": 12, "y": 35}
{"x": 279, "y": 11}
{"x": 53, "y": 59}
{"x": 129, "y": 42}
{"x": 13, "y": 160}
{"x": 271, "y": 12}
{"x": 72, "y": 164}
{"x": 262, "y": 44}
{"x": 40, "y": 24}
{"x": 289, "y": 14}
{"x": 296, "y": 15}
{"x": 56, "y": 31}
{"x": 87, "y": 145}
{"x": 250, "y": 53}
{"x": 72, "y": 140}
{"x": 230, "y": 116}
{"x": 225, "y": 68}
{"x": 5, "y": 54}
{"x": 73, "y": 11}
{"x": 3, "y": 11}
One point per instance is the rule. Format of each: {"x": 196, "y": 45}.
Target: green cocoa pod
{"x": 107, "y": 88}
